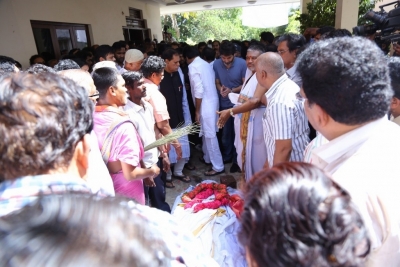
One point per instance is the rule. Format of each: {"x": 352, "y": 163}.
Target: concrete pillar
{"x": 346, "y": 14}
{"x": 303, "y": 5}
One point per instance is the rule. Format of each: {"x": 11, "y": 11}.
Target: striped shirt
{"x": 284, "y": 118}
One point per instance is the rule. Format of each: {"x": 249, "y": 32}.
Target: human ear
{"x": 81, "y": 155}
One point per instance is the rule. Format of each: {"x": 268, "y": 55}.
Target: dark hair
{"x": 294, "y": 215}
{"x": 201, "y": 44}
{"x": 394, "y": 71}
{"x": 325, "y": 29}
{"x": 294, "y": 41}
{"x": 336, "y": 33}
{"x": 80, "y": 62}
{"x": 39, "y": 68}
{"x": 75, "y": 229}
{"x": 32, "y": 59}
{"x": 267, "y": 36}
{"x": 257, "y": 47}
{"x": 73, "y": 51}
{"x": 208, "y": 54}
{"x": 103, "y": 78}
{"x": 118, "y": 46}
{"x": 7, "y": 65}
{"x": 131, "y": 77}
{"x": 43, "y": 116}
{"x": 169, "y": 53}
{"x": 102, "y": 51}
{"x": 191, "y": 52}
{"x": 152, "y": 64}
{"x": 227, "y": 49}
{"x": 347, "y": 77}
{"x": 66, "y": 64}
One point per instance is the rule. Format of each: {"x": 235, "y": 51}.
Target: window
{"x": 59, "y": 38}
{"x": 136, "y": 27}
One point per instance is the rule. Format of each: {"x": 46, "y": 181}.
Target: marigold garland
{"x": 204, "y": 190}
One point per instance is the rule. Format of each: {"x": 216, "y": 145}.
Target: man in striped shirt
{"x": 284, "y": 121}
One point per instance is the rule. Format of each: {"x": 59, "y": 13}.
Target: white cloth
{"x": 395, "y": 120}
{"x": 143, "y": 119}
{"x": 202, "y": 83}
{"x": 212, "y": 153}
{"x": 365, "y": 163}
{"x": 98, "y": 176}
{"x": 256, "y": 152}
{"x": 284, "y": 119}
{"x": 294, "y": 75}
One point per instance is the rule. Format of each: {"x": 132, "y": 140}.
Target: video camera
{"x": 387, "y": 23}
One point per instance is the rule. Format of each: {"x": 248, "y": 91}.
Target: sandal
{"x": 201, "y": 159}
{"x": 211, "y": 172}
{"x": 190, "y": 167}
{"x": 169, "y": 184}
{"x": 183, "y": 178}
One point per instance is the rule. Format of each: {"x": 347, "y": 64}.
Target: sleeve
{"x": 282, "y": 117}
{"x": 244, "y": 70}
{"x": 159, "y": 105}
{"x": 215, "y": 70}
{"x": 196, "y": 83}
{"x": 127, "y": 146}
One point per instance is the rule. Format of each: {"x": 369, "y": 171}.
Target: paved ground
{"x": 197, "y": 176}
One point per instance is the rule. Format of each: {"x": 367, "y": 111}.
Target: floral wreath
{"x": 204, "y": 190}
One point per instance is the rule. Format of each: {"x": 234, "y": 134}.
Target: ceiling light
{"x": 180, "y": 1}
{"x": 207, "y": 6}
{"x": 251, "y": 2}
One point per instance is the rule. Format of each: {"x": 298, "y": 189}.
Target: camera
{"x": 387, "y": 23}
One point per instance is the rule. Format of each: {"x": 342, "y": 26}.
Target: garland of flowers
{"x": 205, "y": 190}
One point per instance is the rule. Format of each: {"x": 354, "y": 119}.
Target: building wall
{"x": 105, "y": 18}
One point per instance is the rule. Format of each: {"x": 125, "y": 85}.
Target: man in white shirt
{"x": 348, "y": 93}
{"x": 133, "y": 60}
{"x": 285, "y": 123}
{"x": 202, "y": 84}
{"x": 394, "y": 68}
{"x": 141, "y": 114}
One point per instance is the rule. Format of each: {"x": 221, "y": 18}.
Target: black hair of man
{"x": 351, "y": 85}
{"x": 73, "y": 229}
{"x": 43, "y": 116}
{"x": 394, "y": 71}
{"x": 102, "y": 51}
{"x": 33, "y": 58}
{"x": 7, "y": 65}
{"x": 73, "y": 51}
{"x": 208, "y": 54}
{"x": 131, "y": 77}
{"x": 201, "y": 44}
{"x": 336, "y": 33}
{"x": 294, "y": 41}
{"x": 267, "y": 37}
{"x": 104, "y": 78}
{"x": 66, "y": 64}
{"x": 325, "y": 29}
{"x": 190, "y": 52}
{"x": 39, "y": 68}
{"x": 118, "y": 45}
{"x": 227, "y": 48}
{"x": 152, "y": 64}
{"x": 257, "y": 47}
{"x": 169, "y": 53}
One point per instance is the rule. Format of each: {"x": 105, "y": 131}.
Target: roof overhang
{"x": 171, "y": 7}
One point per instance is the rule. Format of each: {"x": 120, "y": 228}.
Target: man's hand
{"x": 223, "y": 117}
{"x": 166, "y": 163}
{"x": 225, "y": 91}
{"x": 178, "y": 149}
{"x": 156, "y": 170}
{"x": 149, "y": 181}
{"x": 266, "y": 165}
{"x": 197, "y": 118}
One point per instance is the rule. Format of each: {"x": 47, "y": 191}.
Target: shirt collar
{"x": 136, "y": 107}
{"x": 276, "y": 85}
{"x": 330, "y": 156}
{"x": 395, "y": 120}
{"x": 290, "y": 72}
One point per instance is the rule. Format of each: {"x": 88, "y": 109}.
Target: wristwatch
{"x": 231, "y": 112}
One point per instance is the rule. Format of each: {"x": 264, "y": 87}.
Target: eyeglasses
{"x": 96, "y": 94}
{"x": 282, "y": 51}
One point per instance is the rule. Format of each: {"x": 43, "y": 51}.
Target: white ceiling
{"x": 170, "y": 7}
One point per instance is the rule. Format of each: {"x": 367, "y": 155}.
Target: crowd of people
{"x": 311, "y": 122}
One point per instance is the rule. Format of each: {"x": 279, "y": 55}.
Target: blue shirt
{"x": 231, "y": 78}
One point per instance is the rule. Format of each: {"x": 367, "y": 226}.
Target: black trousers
{"x": 155, "y": 196}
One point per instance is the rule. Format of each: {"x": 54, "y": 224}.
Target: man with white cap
{"x": 133, "y": 60}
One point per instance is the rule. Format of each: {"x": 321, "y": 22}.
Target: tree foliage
{"x": 322, "y": 13}
{"x": 219, "y": 24}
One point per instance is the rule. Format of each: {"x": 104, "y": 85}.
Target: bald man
{"x": 98, "y": 176}
{"x": 284, "y": 121}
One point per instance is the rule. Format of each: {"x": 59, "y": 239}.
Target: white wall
{"x": 105, "y": 19}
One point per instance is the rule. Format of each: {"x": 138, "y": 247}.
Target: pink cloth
{"x": 157, "y": 100}
{"x": 126, "y": 147}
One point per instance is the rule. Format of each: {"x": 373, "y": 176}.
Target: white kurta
{"x": 202, "y": 82}
{"x": 256, "y": 152}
